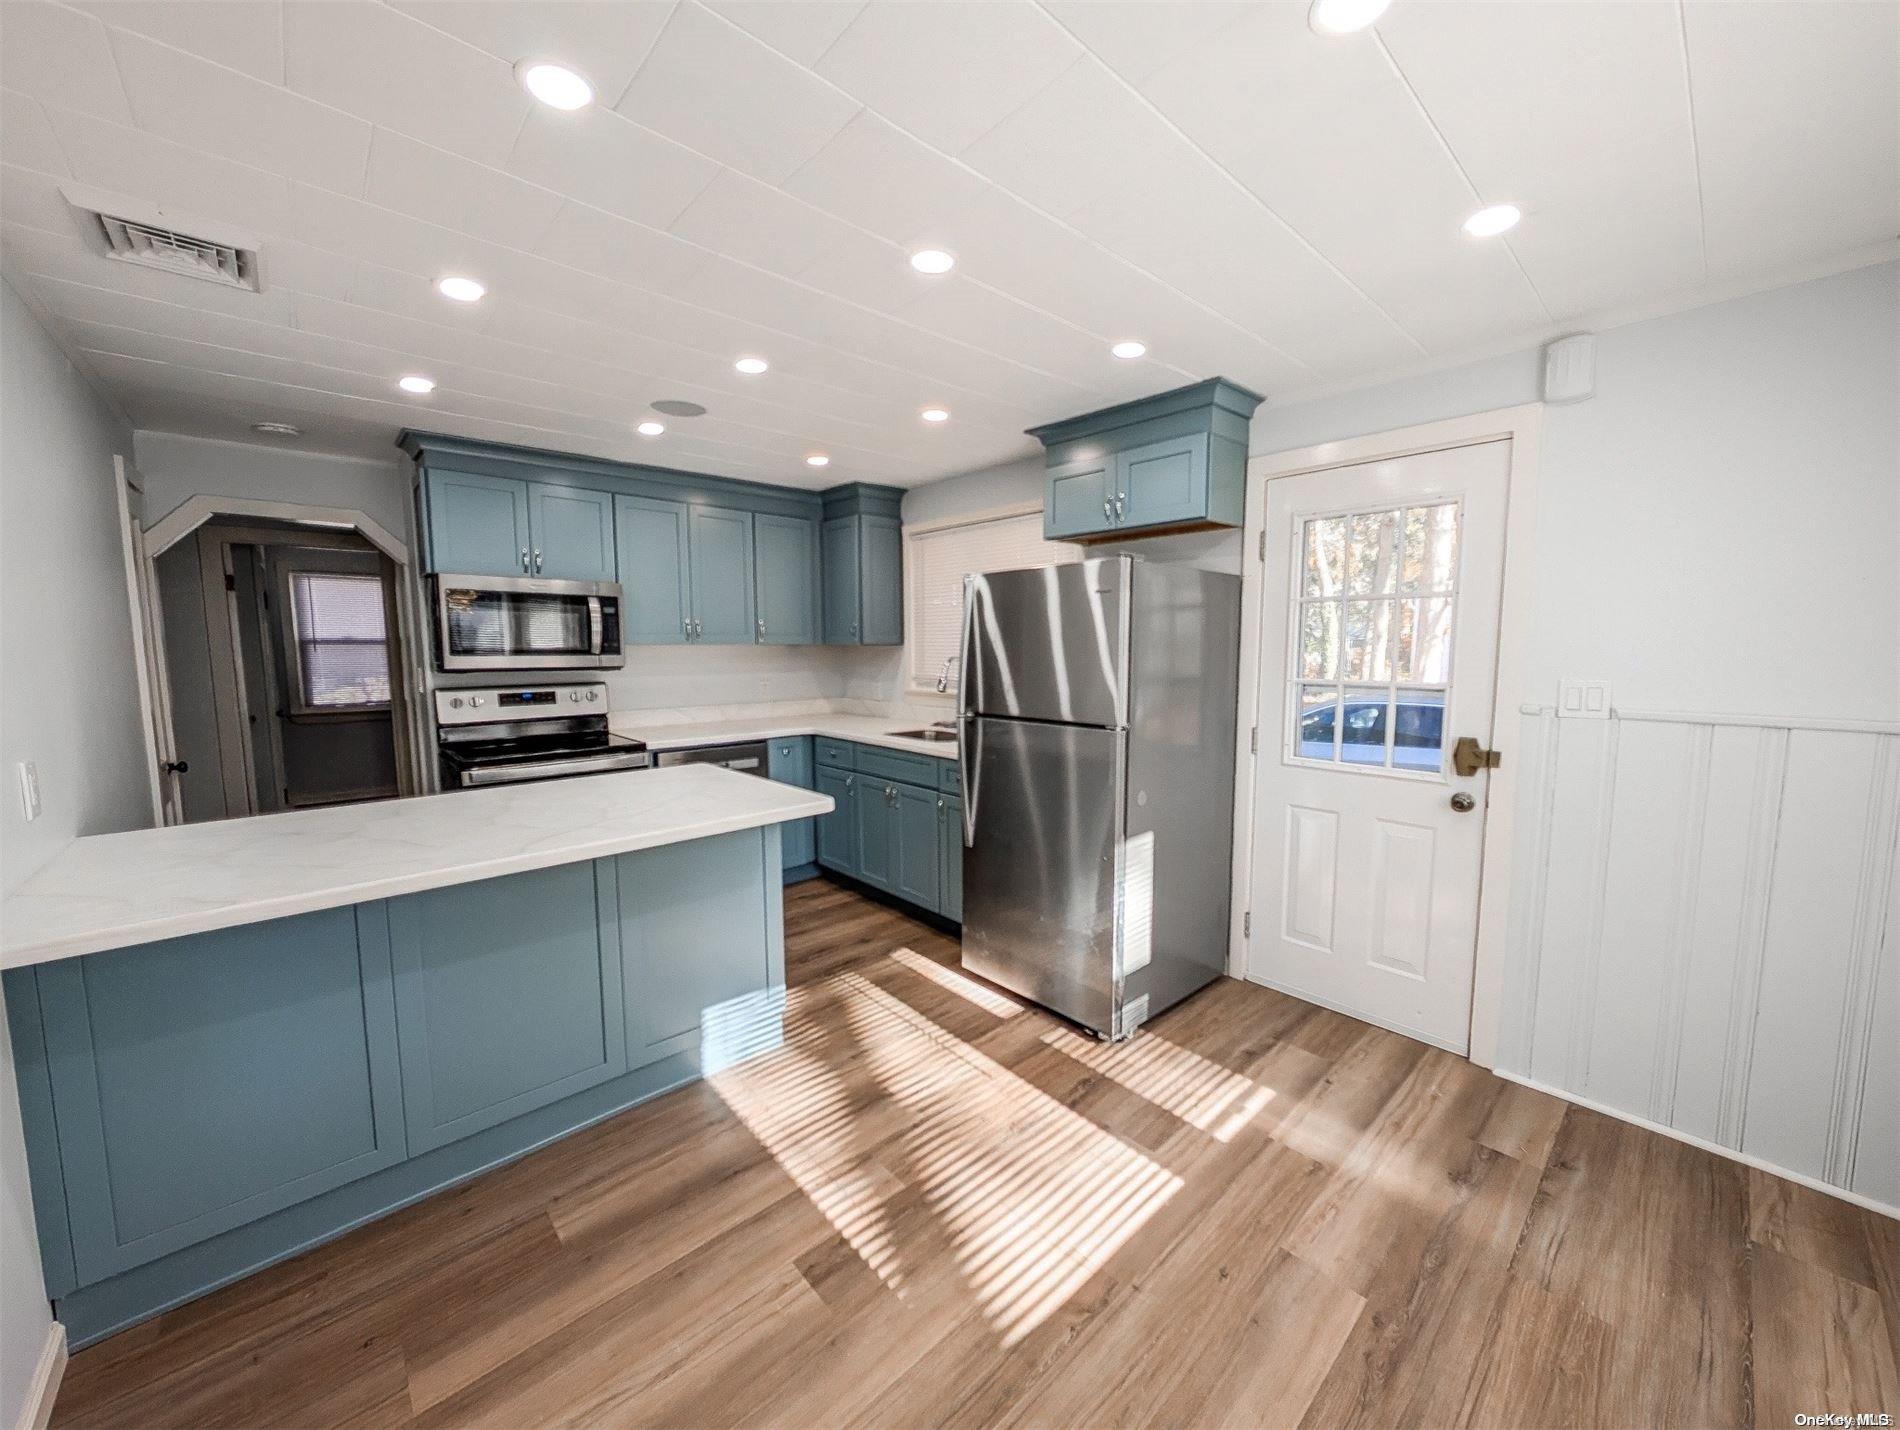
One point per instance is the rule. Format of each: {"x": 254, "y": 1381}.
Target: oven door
{"x": 519, "y": 623}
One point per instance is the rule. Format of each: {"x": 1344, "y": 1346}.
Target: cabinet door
{"x": 838, "y": 831}
{"x": 785, "y": 557}
{"x": 204, "y": 1082}
{"x": 651, "y": 546}
{"x": 478, "y": 525}
{"x": 840, "y": 576}
{"x": 697, "y": 935}
{"x": 876, "y": 810}
{"x": 721, "y": 569}
{"x": 950, "y": 852}
{"x": 507, "y": 997}
{"x": 573, "y": 533}
{"x": 881, "y": 579}
{"x": 916, "y": 866}
{"x": 788, "y": 760}
{"x": 1163, "y": 482}
{"x": 1078, "y": 499}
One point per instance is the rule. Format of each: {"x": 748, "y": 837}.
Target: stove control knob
{"x": 475, "y": 700}
{"x": 574, "y": 695}
{"x": 455, "y": 702}
{"x": 593, "y": 695}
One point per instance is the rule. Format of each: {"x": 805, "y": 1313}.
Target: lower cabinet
{"x": 892, "y": 828}
{"x": 838, "y": 831}
{"x": 915, "y": 865}
{"x": 876, "y": 807}
{"x": 508, "y": 997}
{"x": 788, "y": 760}
{"x": 950, "y": 847}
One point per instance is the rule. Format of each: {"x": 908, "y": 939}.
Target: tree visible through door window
{"x": 342, "y": 643}
{"x": 1371, "y": 643}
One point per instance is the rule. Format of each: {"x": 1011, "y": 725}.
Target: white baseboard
{"x": 37, "y": 1412}
{"x": 1707, "y": 1146}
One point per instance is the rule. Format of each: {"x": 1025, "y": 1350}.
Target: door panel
{"x": 478, "y": 525}
{"x": 838, "y": 831}
{"x": 507, "y": 996}
{"x": 788, "y": 760}
{"x": 840, "y": 572}
{"x": 1039, "y": 911}
{"x": 1379, "y": 647}
{"x": 873, "y": 801}
{"x": 881, "y": 597}
{"x": 1163, "y": 482}
{"x": 573, "y": 533}
{"x": 1079, "y": 499}
{"x": 1050, "y": 643}
{"x": 722, "y": 576}
{"x": 916, "y": 868}
{"x": 785, "y": 550}
{"x": 950, "y": 856}
{"x": 651, "y": 548}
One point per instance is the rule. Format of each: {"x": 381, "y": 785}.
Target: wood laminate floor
{"x": 935, "y": 1206}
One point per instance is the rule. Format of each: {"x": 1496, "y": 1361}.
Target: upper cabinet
{"x": 863, "y": 565}
{"x": 1173, "y": 462}
{"x": 573, "y": 531}
{"x": 785, "y": 579}
{"x": 482, "y": 525}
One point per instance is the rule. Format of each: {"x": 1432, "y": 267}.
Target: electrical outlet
{"x": 1583, "y": 700}
{"x": 30, "y": 789}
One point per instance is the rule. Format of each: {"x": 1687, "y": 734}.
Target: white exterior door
{"x": 1379, "y": 629}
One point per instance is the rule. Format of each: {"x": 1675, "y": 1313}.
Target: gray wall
{"x": 176, "y": 468}
{"x": 68, "y": 702}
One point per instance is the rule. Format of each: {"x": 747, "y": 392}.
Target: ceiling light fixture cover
{"x": 935, "y": 414}
{"x": 818, "y": 459}
{"x": 1344, "y": 17}
{"x": 277, "y": 429}
{"x": 752, "y": 366}
{"x": 932, "y": 260}
{"x": 678, "y": 407}
{"x": 1129, "y": 349}
{"x": 554, "y": 85}
{"x": 462, "y": 290}
{"x": 1492, "y": 221}
{"x": 650, "y": 428}
{"x": 421, "y": 386}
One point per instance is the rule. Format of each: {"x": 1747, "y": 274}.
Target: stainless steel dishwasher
{"x": 748, "y": 758}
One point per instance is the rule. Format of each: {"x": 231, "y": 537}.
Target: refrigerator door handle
{"x": 966, "y": 726}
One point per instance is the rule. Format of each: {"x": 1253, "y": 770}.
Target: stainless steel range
{"x": 505, "y": 734}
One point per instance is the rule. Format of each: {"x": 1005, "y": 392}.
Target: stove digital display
{"x": 527, "y": 697}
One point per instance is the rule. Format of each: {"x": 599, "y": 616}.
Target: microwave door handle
{"x": 596, "y": 628}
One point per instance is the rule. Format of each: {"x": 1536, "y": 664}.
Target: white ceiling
{"x": 1213, "y": 178}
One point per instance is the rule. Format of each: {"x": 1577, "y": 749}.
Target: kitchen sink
{"x": 934, "y": 734}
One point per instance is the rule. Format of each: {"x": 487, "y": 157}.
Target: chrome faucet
{"x": 943, "y": 675}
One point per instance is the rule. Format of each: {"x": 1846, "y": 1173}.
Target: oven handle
{"x": 596, "y": 628}
{"x": 591, "y": 764}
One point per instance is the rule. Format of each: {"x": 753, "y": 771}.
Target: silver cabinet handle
{"x": 761, "y": 627}
{"x": 849, "y": 780}
{"x": 537, "y": 563}
{"x": 686, "y": 629}
{"x": 524, "y": 558}
{"x": 1120, "y": 499}
{"x": 940, "y": 804}
{"x": 1108, "y": 509}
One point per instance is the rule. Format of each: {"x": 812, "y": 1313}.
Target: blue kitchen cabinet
{"x": 950, "y": 853}
{"x": 508, "y": 997}
{"x": 839, "y": 563}
{"x": 785, "y": 560}
{"x": 881, "y": 585}
{"x": 478, "y": 525}
{"x": 1080, "y": 498}
{"x": 573, "y": 532}
{"x": 652, "y": 546}
{"x": 721, "y": 576}
{"x": 875, "y": 806}
{"x": 201, "y": 1083}
{"x": 789, "y": 761}
{"x": 1162, "y": 483}
{"x": 838, "y": 830}
{"x": 696, "y": 922}
{"x": 915, "y": 837}
{"x": 863, "y": 566}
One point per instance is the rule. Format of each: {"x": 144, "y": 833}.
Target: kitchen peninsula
{"x": 235, "y": 1040}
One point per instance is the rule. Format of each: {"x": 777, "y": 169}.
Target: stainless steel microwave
{"x": 527, "y": 623}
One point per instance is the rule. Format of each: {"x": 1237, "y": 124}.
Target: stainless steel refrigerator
{"x": 1096, "y": 724}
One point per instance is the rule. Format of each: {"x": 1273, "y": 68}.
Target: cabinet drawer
{"x": 896, "y": 765}
{"x": 950, "y": 778}
{"x": 836, "y": 753}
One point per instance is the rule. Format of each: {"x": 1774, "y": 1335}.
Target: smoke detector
{"x": 135, "y": 231}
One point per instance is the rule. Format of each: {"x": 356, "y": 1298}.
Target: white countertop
{"x": 113, "y": 890}
{"x": 865, "y": 729}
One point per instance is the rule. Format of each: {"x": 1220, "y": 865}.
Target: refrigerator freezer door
{"x": 1043, "y": 805}
{"x": 1048, "y": 643}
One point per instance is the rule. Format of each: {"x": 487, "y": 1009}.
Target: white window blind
{"x": 342, "y": 642}
{"x": 935, "y": 565}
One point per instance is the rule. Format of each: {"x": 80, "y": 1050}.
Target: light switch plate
{"x": 30, "y": 789}
{"x": 1583, "y": 700}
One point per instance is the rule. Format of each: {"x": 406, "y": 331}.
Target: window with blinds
{"x": 342, "y": 643}
{"x": 937, "y": 560}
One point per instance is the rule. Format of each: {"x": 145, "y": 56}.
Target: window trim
{"x": 296, "y": 702}
{"x": 910, "y": 686}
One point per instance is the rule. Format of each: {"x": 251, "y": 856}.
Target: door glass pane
{"x": 1428, "y": 658}
{"x": 1319, "y": 641}
{"x": 1357, "y": 664}
{"x": 1362, "y": 727}
{"x": 1318, "y": 717}
{"x": 1418, "y": 730}
{"x": 1431, "y": 547}
{"x": 1372, "y": 554}
{"x": 1325, "y": 560}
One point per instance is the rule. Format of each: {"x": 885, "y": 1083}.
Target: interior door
{"x": 148, "y": 656}
{"x": 1378, "y": 651}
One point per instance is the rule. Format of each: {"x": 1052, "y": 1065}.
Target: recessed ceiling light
{"x": 818, "y": 459}
{"x": 1343, "y": 17}
{"x": 935, "y": 414}
{"x": 932, "y": 260}
{"x": 462, "y": 290}
{"x": 418, "y": 385}
{"x": 554, "y": 85}
{"x": 1129, "y": 348}
{"x": 752, "y": 366}
{"x": 1490, "y": 222}
{"x": 277, "y": 429}
{"x": 650, "y": 428}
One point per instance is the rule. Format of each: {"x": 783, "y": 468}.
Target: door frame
{"x": 1523, "y": 426}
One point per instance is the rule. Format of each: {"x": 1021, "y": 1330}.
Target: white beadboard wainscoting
{"x": 1705, "y": 932}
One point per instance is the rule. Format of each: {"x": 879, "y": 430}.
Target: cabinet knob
{"x": 524, "y": 558}
{"x": 537, "y": 562}
{"x": 1108, "y": 509}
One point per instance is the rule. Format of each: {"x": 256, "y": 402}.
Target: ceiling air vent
{"x": 140, "y": 232}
